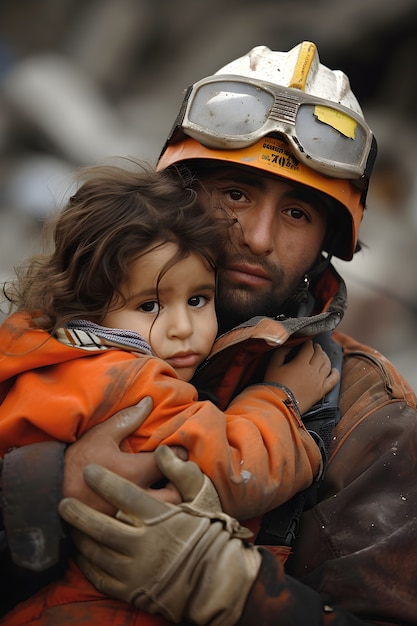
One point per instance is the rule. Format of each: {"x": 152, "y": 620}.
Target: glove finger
{"x": 104, "y": 529}
{"x": 113, "y": 562}
{"x": 138, "y": 505}
{"x": 101, "y": 580}
{"x": 185, "y": 475}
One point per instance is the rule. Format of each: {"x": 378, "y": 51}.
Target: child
{"x": 131, "y": 278}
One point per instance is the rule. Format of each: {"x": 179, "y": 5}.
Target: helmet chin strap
{"x": 301, "y": 302}
{"x": 318, "y": 270}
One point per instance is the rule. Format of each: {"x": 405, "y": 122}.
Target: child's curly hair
{"x": 115, "y": 215}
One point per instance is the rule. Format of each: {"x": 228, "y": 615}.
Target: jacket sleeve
{"x": 33, "y": 545}
{"x": 257, "y": 452}
{"x": 31, "y": 486}
{"x": 357, "y": 545}
{"x": 279, "y": 600}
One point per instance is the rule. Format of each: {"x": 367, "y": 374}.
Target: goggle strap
{"x": 371, "y": 158}
{"x": 176, "y": 127}
{"x": 363, "y": 182}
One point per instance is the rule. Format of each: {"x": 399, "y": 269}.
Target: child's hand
{"x": 309, "y": 375}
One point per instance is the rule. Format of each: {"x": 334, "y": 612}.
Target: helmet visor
{"x": 233, "y": 112}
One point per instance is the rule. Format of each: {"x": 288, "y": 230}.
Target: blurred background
{"x": 82, "y": 80}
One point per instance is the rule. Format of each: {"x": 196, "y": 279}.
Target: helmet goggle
{"x": 231, "y": 112}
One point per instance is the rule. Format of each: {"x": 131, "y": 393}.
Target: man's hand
{"x": 184, "y": 561}
{"x": 102, "y": 445}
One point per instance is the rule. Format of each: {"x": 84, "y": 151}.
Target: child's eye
{"x": 149, "y": 307}
{"x": 198, "y": 301}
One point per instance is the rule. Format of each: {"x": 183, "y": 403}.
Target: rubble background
{"x": 82, "y": 80}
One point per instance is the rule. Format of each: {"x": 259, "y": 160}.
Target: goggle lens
{"x": 330, "y": 135}
{"x": 230, "y": 109}
{"x": 234, "y": 114}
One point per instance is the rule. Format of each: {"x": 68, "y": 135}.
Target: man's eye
{"x": 235, "y": 194}
{"x": 296, "y": 213}
{"x": 198, "y": 301}
{"x": 149, "y": 307}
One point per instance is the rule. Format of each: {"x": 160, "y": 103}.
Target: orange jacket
{"x": 257, "y": 452}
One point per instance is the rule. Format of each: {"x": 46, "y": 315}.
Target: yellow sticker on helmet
{"x": 336, "y": 119}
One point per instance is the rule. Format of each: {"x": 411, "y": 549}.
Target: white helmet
{"x": 285, "y": 113}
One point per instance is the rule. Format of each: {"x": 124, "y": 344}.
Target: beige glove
{"x": 185, "y": 562}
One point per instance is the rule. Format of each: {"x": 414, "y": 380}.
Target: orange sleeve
{"x": 257, "y": 452}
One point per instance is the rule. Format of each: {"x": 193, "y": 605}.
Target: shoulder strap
{"x": 323, "y": 416}
{"x": 280, "y": 526}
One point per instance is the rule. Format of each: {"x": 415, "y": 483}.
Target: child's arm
{"x": 258, "y": 452}
{"x": 309, "y": 375}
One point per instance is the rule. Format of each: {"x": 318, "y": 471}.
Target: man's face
{"x": 275, "y": 241}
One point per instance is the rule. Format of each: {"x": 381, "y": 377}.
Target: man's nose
{"x": 257, "y": 230}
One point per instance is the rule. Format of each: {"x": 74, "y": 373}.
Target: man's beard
{"x": 233, "y": 309}
{"x": 238, "y": 303}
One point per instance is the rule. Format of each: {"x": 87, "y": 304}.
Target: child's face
{"x": 180, "y": 324}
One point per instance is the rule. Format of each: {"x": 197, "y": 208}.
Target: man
{"x": 278, "y": 141}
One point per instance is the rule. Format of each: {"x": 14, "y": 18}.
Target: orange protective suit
{"x": 257, "y": 451}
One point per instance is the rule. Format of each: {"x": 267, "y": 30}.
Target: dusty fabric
{"x": 258, "y": 454}
{"x": 355, "y": 550}
{"x": 357, "y": 546}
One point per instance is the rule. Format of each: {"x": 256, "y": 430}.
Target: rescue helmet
{"x": 287, "y": 114}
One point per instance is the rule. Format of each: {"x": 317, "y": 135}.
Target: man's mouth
{"x": 244, "y": 273}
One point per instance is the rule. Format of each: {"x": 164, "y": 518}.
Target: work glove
{"x": 185, "y": 562}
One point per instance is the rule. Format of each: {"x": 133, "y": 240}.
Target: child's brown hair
{"x": 115, "y": 215}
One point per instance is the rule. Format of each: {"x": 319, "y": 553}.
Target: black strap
{"x": 323, "y": 416}
{"x": 280, "y": 526}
